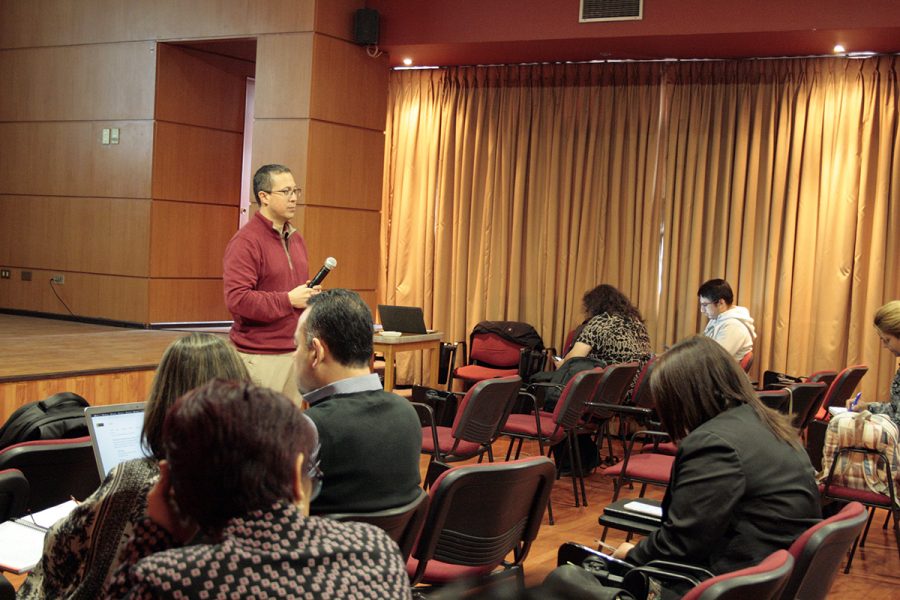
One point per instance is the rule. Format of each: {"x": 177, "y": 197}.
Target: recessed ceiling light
{"x": 839, "y": 49}
{"x": 407, "y": 61}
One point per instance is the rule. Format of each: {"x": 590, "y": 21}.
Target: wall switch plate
{"x": 58, "y": 279}
{"x": 5, "y": 274}
{"x": 114, "y": 135}
{"x": 104, "y": 136}
{"x": 26, "y": 275}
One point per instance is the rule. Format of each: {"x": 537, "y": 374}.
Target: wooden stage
{"x": 106, "y": 365}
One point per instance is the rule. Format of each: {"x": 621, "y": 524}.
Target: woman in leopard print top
{"x": 614, "y": 331}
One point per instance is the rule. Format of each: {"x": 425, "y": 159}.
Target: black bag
{"x": 443, "y": 404}
{"x": 57, "y": 417}
{"x": 773, "y": 380}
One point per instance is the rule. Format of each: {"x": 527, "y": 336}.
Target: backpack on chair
{"x": 57, "y": 417}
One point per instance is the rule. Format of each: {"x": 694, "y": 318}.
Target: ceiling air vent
{"x": 611, "y": 10}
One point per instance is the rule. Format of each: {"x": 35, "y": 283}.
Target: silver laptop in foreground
{"x": 115, "y": 433}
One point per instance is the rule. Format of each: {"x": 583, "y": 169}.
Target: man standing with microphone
{"x": 267, "y": 286}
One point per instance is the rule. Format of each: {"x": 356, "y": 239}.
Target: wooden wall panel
{"x": 99, "y": 21}
{"x": 283, "y": 75}
{"x": 283, "y": 141}
{"x": 78, "y": 83}
{"x": 345, "y": 166}
{"x": 200, "y": 88}
{"x": 196, "y": 164}
{"x": 180, "y": 300}
{"x": 67, "y": 159}
{"x": 188, "y": 240}
{"x": 348, "y": 86}
{"x": 87, "y": 295}
{"x": 93, "y": 235}
{"x": 351, "y": 237}
{"x": 98, "y": 390}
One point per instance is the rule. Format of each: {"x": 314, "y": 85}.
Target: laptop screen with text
{"x": 115, "y": 433}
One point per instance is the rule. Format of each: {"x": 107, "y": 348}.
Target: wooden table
{"x": 405, "y": 343}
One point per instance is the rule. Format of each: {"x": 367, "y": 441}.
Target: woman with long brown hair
{"x": 742, "y": 485}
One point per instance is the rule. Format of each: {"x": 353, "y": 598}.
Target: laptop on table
{"x": 115, "y": 431}
{"x": 405, "y": 319}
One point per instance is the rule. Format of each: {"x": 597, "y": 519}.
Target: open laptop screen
{"x": 406, "y": 319}
{"x": 115, "y": 433}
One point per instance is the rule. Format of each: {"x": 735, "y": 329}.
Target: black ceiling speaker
{"x": 611, "y": 10}
{"x": 365, "y": 27}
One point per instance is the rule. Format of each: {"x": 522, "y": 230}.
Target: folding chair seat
{"x": 818, "y": 553}
{"x": 549, "y": 428}
{"x": 479, "y": 417}
{"x": 462, "y": 539}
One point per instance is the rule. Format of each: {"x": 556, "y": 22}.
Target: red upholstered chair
{"x": 819, "y": 551}
{"x": 610, "y": 395}
{"x": 841, "y": 388}
{"x": 403, "y": 523}
{"x": 479, "y": 418}
{"x": 765, "y": 581}
{"x": 56, "y": 470}
{"x": 866, "y": 497}
{"x": 550, "y": 428}
{"x": 826, "y": 377}
{"x": 461, "y": 538}
{"x": 747, "y": 362}
{"x": 492, "y": 355}
{"x": 13, "y": 494}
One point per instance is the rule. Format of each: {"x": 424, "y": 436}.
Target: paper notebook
{"x": 22, "y": 540}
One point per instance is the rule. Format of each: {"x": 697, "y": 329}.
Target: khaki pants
{"x": 274, "y": 371}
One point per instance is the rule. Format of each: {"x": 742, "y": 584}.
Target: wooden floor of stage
{"x": 106, "y": 365}
{"x": 110, "y": 364}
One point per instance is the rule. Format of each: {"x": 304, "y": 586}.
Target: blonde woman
{"x": 887, "y": 324}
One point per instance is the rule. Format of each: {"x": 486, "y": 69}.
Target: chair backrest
{"x": 641, "y": 395}
{"x": 818, "y": 553}
{"x": 447, "y": 362}
{"x": 825, "y": 377}
{"x": 578, "y": 391}
{"x": 775, "y": 399}
{"x": 806, "y": 399}
{"x": 480, "y": 513}
{"x": 13, "y": 494}
{"x": 483, "y": 409}
{"x": 614, "y": 385}
{"x": 761, "y": 582}
{"x": 402, "y": 523}
{"x": 56, "y": 470}
{"x": 747, "y": 362}
{"x": 843, "y": 385}
{"x": 494, "y": 351}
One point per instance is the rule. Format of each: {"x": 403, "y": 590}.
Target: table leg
{"x": 388, "y": 369}
{"x": 435, "y": 365}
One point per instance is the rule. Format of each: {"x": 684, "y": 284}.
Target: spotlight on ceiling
{"x": 407, "y": 61}
{"x": 839, "y": 49}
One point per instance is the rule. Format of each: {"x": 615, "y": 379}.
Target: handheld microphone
{"x": 330, "y": 263}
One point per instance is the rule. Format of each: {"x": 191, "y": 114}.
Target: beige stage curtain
{"x": 509, "y": 191}
{"x": 781, "y": 176}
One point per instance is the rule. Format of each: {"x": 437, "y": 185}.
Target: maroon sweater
{"x": 258, "y": 273}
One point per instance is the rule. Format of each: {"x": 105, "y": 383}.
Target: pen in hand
{"x": 855, "y": 400}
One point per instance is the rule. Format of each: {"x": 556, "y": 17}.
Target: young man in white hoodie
{"x": 730, "y": 325}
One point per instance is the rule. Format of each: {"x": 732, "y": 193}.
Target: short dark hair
{"x": 232, "y": 448}
{"x": 606, "y": 299}
{"x": 697, "y": 379}
{"x": 343, "y": 322}
{"x": 187, "y": 363}
{"x": 262, "y": 180}
{"x": 715, "y": 290}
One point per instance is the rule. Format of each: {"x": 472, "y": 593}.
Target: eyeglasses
{"x": 705, "y": 304}
{"x": 286, "y": 192}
